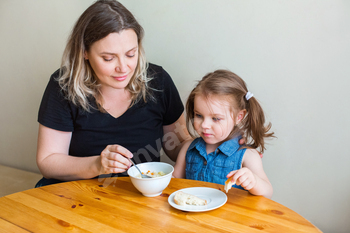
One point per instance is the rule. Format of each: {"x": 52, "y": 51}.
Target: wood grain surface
{"x": 114, "y": 205}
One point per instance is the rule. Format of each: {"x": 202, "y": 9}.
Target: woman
{"x": 106, "y": 104}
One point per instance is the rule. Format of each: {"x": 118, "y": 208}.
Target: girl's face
{"x": 213, "y": 119}
{"x": 114, "y": 59}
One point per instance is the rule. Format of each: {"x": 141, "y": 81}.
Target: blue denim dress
{"x": 215, "y": 166}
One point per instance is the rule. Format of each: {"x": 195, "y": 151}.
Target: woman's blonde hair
{"x": 77, "y": 78}
{"x": 224, "y": 83}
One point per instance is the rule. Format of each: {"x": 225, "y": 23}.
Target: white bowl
{"x": 151, "y": 187}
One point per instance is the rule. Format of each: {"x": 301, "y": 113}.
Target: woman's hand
{"x": 242, "y": 142}
{"x": 243, "y": 177}
{"x": 115, "y": 159}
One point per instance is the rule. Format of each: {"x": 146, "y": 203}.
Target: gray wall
{"x": 294, "y": 55}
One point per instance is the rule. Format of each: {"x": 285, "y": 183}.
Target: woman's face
{"x": 114, "y": 59}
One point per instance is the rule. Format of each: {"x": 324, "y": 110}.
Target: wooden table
{"x": 114, "y": 205}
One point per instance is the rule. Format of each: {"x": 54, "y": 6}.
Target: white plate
{"x": 215, "y": 199}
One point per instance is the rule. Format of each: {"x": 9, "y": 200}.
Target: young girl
{"x": 221, "y": 110}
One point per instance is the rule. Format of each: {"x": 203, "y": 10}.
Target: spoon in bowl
{"x": 142, "y": 175}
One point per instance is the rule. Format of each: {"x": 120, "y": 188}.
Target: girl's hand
{"x": 114, "y": 159}
{"x": 244, "y": 177}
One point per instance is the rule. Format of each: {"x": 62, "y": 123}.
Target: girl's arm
{"x": 252, "y": 176}
{"x": 180, "y": 166}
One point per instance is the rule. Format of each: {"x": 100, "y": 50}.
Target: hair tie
{"x": 248, "y": 95}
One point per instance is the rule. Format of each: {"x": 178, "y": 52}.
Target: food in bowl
{"x": 152, "y": 174}
{"x": 154, "y": 186}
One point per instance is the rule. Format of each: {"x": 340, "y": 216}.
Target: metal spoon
{"x": 142, "y": 175}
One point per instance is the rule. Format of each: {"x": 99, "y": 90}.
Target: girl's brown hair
{"x": 77, "y": 78}
{"x": 224, "y": 83}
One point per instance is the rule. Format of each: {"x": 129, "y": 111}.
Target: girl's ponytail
{"x": 254, "y": 124}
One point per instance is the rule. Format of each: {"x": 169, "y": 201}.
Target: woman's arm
{"x": 180, "y": 166}
{"x": 54, "y": 162}
{"x": 175, "y": 135}
{"x": 252, "y": 176}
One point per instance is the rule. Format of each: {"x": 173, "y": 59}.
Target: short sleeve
{"x": 173, "y": 103}
{"x": 54, "y": 110}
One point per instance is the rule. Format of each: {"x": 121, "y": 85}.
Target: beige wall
{"x": 294, "y": 55}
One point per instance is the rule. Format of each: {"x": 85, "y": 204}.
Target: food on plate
{"x": 152, "y": 174}
{"x": 228, "y": 184}
{"x": 182, "y": 198}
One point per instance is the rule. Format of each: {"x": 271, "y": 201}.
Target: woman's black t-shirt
{"x": 139, "y": 129}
